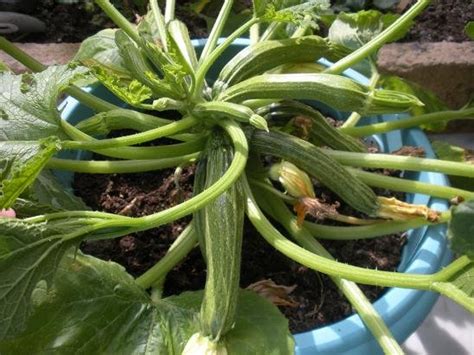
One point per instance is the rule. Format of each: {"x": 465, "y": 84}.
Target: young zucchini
{"x": 337, "y": 91}
{"x": 263, "y": 56}
{"x": 318, "y": 130}
{"x": 318, "y": 164}
{"x": 219, "y": 226}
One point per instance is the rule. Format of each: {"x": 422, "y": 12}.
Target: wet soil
{"x": 318, "y": 300}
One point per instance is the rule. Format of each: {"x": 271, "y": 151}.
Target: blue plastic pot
{"x": 426, "y": 251}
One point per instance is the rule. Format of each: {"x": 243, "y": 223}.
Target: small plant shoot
{"x": 259, "y": 141}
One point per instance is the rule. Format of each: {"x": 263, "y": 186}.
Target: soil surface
{"x": 443, "y": 20}
{"x": 316, "y": 298}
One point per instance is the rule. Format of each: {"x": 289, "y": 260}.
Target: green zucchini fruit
{"x": 320, "y": 132}
{"x": 337, "y": 91}
{"x": 263, "y": 56}
{"x": 314, "y": 161}
{"x": 219, "y": 226}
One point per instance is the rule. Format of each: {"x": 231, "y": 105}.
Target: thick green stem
{"x": 170, "y": 10}
{"x": 216, "y": 53}
{"x": 388, "y": 161}
{"x": 160, "y": 23}
{"x": 404, "y": 185}
{"x": 179, "y": 249}
{"x": 409, "y": 122}
{"x": 118, "y": 167}
{"x": 216, "y": 29}
{"x": 75, "y": 214}
{"x": 132, "y": 139}
{"x": 378, "y": 41}
{"x": 21, "y": 56}
{"x": 354, "y": 118}
{"x": 322, "y": 231}
{"x": 89, "y": 100}
{"x": 329, "y": 267}
{"x": 353, "y": 293}
{"x": 119, "y": 19}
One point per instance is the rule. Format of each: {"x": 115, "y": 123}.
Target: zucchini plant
{"x": 260, "y": 104}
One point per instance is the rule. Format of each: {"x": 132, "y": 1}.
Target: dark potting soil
{"x": 443, "y": 20}
{"x": 318, "y": 300}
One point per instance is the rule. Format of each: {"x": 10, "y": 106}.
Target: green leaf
{"x": 459, "y": 287}
{"x": 95, "y": 307}
{"x": 259, "y": 7}
{"x": 28, "y": 254}
{"x": 102, "y": 48}
{"x": 4, "y": 67}
{"x": 20, "y": 164}
{"x": 445, "y": 151}
{"x": 120, "y": 83}
{"x": 461, "y": 229}
{"x": 354, "y": 30}
{"x": 28, "y": 103}
{"x": 50, "y": 195}
{"x": 469, "y": 29}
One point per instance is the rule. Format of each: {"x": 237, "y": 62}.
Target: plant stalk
{"x": 137, "y": 138}
{"x": 377, "y": 128}
{"x": 181, "y": 247}
{"x": 404, "y": 185}
{"x": 119, "y": 19}
{"x": 322, "y": 231}
{"x": 388, "y": 161}
{"x": 118, "y": 167}
{"x": 216, "y": 30}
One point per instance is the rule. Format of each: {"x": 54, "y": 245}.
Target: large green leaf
{"x": 20, "y": 164}
{"x": 446, "y": 151}
{"x": 95, "y": 307}
{"x": 28, "y": 103}
{"x": 102, "y": 48}
{"x": 47, "y": 190}
{"x": 28, "y": 254}
{"x": 47, "y": 195}
{"x": 461, "y": 229}
{"x": 353, "y": 30}
{"x": 460, "y": 286}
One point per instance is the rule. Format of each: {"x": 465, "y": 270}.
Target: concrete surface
{"x": 448, "y": 330}
{"x": 46, "y": 53}
{"x": 444, "y": 67}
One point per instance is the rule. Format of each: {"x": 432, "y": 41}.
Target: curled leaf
{"x": 279, "y": 295}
